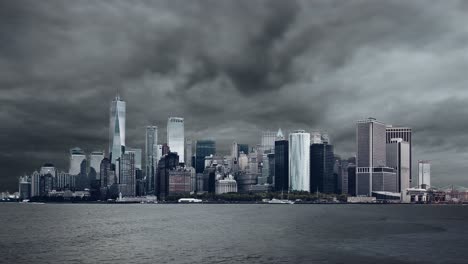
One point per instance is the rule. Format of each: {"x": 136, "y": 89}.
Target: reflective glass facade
{"x": 176, "y": 136}
{"x": 299, "y": 161}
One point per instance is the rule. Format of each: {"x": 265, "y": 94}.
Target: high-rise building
{"x": 235, "y": 150}
{"x": 24, "y": 187}
{"x": 398, "y": 157}
{"x": 138, "y": 153}
{"x": 371, "y": 153}
{"x": 95, "y": 159}
{"x": 268, "y": 141}
{"x": 105, "y": 176}
{"x": 176, "y": 136}
{"x": 405, "y": 133}
{"x": 322, "y": 163}
{"x": 117, "y": 129}
{"x": 424, "y": 174}
{"x": 76, "y": 157}
{"x": 151, "y": 141}
{"x": 180, "y": 180}
{"x": 127, "y": 179}
{"x": 243, "y": 161}
{"x": 316, "y": 137}
{"x": 281, "y": 165}
{"x": 351, "y": 179}
{"x": 279, "y": 135}
{"x": 299, "y": 161}
{"x": 165, "y": 149}
{"x": 188, "y": 152}
{"x": 166, "y": 163}
{"x": 243, "y": 148}
{"x": 204, "y": 148}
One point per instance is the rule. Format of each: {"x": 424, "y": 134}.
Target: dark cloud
{"x": 232, "y": 69}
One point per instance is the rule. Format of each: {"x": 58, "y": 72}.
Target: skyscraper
{"x": 268, "y": 141}
{"x": 176, "y": 136}
{"x": 151, "y": 141}
{"x": 188, "y": 152}
{"x": 405, "y": 133}
{"x": 126, "y": 177}
{"x": 299, "y": 161}
{"x": 243, "y": 148}
{"x": 117, "y": 129}
{"x": 95, "y": 159}
{"x": 424, "y": 174}
{"x": 203, "y": 148}
{"x": 77, "y": 155}
{"x": 398, "y": 157}
{"x": 371, "y": 153}
{"x": 322, "y": 163}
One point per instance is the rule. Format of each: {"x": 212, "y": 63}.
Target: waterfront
{"x": 249, "y": 233}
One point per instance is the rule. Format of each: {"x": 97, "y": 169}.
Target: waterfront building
{"x": 371, "y": 153}
{"x": 424, "y": 174}
{"x": 405, "y": 133}
{"x": 204, "y": 148}
{"x": 299, "y": 161}
{"x": 24, "y": 187}
{"x": 226, "y": 185}
{"x": 176, "y": 136}
{"x": 281, "y": 165}
{"x": 65, "y": 181}
{"x": 322, "y": 162}
{"x": 151, "y": 147}
{"x": 77, "y": 156}
{"x": 166, "y": 163}
{"x": 180, "y": 180}
{"x": 117, "y": 129}
{"x": 398, "y": 157}
{"x": 351, "y": 179}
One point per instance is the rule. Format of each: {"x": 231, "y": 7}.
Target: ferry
{"x": 278, "y": 201}
{"x": 189, "y": 200}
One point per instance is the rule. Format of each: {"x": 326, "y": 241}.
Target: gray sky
{"x": 232, "y": 69}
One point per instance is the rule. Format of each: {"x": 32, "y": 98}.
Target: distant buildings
{"x": 151, "y": 160}
{"x": 299, "y": 161}
{"x": 281, "y": 165}
{"x": 322, "y": 163}
{"x": 398, "y": 157}
{"x": 203, "y": 148}
{"x": 405, "y": 133}
{"x": 188, "y": 152}
{"x": 268, "y": 141}
{"x": 226, "y": 185}
{"x": 77, "y": 156}
{"x": 176, "y": 136}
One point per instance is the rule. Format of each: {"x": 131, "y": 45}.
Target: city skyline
{"x": 275, "y": 68}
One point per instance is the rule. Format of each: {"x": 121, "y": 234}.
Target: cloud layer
{"x": 232, "y": 69}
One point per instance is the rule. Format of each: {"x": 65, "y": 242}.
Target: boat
{"x": 189, "y": 200}
{"x": 280, "y": 201}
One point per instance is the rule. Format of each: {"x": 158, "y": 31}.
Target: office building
{"x": 24, "y": 187}
{"x": 180, "y": 180}
{"x": 126, "y": 176}
{"x": 77, "y": 156}
{"x": 371, "y": 153}
{"x": 405, "y": 133}
{"x": 166, "y": 163}
{"x": 281, "y": 165}
{"x": 299, "y": 161}
{"x": 204, "y": 148}
{"x": 243, "y": 148}
{"x": 117, "y": 129}
{"x": 398, "y": 157}
{"x": 226, "y": 185}
{"x": 176, "y": 136}
{"x": 188, "y": 152}
{"x": 151, "y": 146}
{"x": 95, "y": 159}
{"x": 351, "y": 179}
{"x": 268, "y": 141}
{"x": 138, "y": 154}
{"x": 322, "y": 162}
{"x": 279, "y": 135}
{"x": 424, "y": 174}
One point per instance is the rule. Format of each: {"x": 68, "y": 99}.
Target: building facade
{"x": 398, "y": 157}
{"x": 424, "y": 174}
{"x": 299, "y": 161}
{"x": 322, "y": 164}
{"x": 151, "y": 146}
{"x": 204, "y": 148}
{"x": 117, "y": 129}
{"x": 176, "y": 136}
{"x": 281, "y": 165}
{"x": 77, "y": 156}
{"x": 405, "y": 133}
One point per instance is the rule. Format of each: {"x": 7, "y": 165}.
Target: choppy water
{"x": 100, "y": 233}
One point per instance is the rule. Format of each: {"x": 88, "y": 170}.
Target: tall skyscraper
{"x": 424, "y": 174}
{"x": 188, "y": 152}
{"x": 398, "y": 157}
{"x": 279, "y": 135}
{"x": 268, "y": 141}
{"x": 151, "y": 141}
{"x": 77, "y": 155}
{"x": 235, "y": 150}
{"x": 405, "y": 133}
{"x": 168, "y": 162}
{"x": 176, "y": 136}
{"x": 127, "y": 179}
{"x": 95, "y": 159}
{"x": 371, "y": 153}
{"x": 299, "y": 161}
{"x": 204, "y": 148}
{"x": 117, "y": 129}
{"x": 243, "y": 148}
{"x": 322, "y": 163}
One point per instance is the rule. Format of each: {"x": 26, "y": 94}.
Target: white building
{"x": 227, "y": 185}
{"x": 243, "y": 161}
{"x": 176, "y": 136}
{"x": 117, "y": 128}
{"x": 398, "y": 157}
{"x": 268, "y": 141}
{"x": 76, "y": 158}
{"x": 188, "y": 152}
{"x": 95, "y": 159}
{"x": 424, "y": 174}
{"x": 299, "y": 161}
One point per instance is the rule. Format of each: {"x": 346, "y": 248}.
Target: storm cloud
{"x": 231, "y": 69}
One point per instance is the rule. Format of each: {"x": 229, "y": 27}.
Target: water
{"x": 138, "y": 233}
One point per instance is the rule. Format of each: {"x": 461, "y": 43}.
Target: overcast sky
{"x": 231, "y": 69}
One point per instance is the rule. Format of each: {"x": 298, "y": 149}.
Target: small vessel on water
{"x": 280, "y": 201}
{"x": 189, "y": 200}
